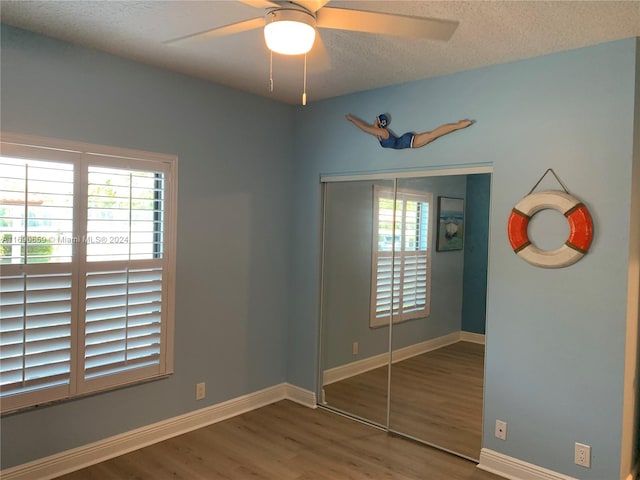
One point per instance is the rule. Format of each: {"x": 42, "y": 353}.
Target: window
{"x": 87, "y": 255}
{"x": 401, "y": 264}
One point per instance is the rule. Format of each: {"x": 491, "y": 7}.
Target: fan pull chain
{"x": 304, "y": 86}
{"x": 271, "y": 71}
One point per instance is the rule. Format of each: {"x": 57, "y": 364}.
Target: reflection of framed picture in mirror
{"x": 450, "y": 224}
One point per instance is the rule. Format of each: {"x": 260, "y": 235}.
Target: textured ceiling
{"x": 490, "y": 32}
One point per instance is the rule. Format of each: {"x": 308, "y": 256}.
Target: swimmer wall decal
{"x": 388, "y": 139}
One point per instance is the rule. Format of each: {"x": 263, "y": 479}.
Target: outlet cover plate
{"x": 201, "y": 391}
{"x": 583, "y": 455}
{"x": 501, "y": 429}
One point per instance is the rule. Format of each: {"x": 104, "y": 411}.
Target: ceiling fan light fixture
{"x": 289, "y": 31}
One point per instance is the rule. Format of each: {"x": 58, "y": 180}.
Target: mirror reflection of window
{"x": 402, "y": 236}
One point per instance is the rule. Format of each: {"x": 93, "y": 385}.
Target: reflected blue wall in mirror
{"x": 474, "y": 296}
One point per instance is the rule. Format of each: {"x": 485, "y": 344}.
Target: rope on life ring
{"x": 580, "y": 224}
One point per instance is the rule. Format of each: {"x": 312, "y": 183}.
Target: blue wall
{"x": 234, "y": 197}
{"x": 476, "y": 249}
{"x": 555, "y": 337}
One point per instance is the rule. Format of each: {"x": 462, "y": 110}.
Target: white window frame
{"x": 83, "y": 155}
{"x": 399, "y": 257}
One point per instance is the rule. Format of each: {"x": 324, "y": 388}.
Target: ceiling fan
{"x": 290, "y": 26}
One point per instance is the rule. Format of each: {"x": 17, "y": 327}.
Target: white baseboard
{"x": 514, "y": 469}
{"x": 336, "y": 374}
{"x": 472, "y": 337}
{"x": 300, "y": 395}
{"x": 342, "y": 372}
{"x": 86, "y": 455}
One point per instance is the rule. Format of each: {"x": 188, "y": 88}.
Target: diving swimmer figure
{"x": 409, "y": 140}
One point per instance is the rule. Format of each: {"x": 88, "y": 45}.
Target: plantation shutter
{"x": 37, "y": 308}
{"x": 86, "y": 269}
{"x": 123, "y": 320}
{"x": 125, "y": 275}
{"x": 35, "y": 314}
{"x": 401, "y": 257}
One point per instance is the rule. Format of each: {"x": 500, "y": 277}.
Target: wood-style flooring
{"x": 435, "y": 397}
{"x": 285, "y": 441}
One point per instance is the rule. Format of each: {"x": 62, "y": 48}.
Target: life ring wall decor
{"x": 580, "y": 224}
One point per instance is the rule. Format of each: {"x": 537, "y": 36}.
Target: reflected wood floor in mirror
{"x": 435, "y": 397}
{"x": 285, "y": 441}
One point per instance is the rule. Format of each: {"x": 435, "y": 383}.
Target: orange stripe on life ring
{"x": 581, "y": 228}
{"x": 517, "y": 229}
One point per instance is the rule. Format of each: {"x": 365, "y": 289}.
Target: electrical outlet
{"x": 201, "y": 391}
{"x": 501, "y": 430}
{"x": 355, "y": 348}
{"x": 583, "y": 455}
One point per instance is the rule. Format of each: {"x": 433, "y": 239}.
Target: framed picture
{"x": 450, "y": 224}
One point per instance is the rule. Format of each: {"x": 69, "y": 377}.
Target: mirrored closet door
{"x": 403, "y": 296}
{"x": 355, "y": 348}
{"x": 437, "y": 373}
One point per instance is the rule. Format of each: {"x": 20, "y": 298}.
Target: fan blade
{"x": 385, "y": 23}
{"x": 311, "y": 5}
{"x": 230, "y": 29}
{"x": 261, "y": 3}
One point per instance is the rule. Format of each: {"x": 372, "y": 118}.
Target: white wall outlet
{"x": 501, "y": 430}
{"x": 201, "y": 391}
{"x": 355, "y": 348}
{"x": 583, "y": 455}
